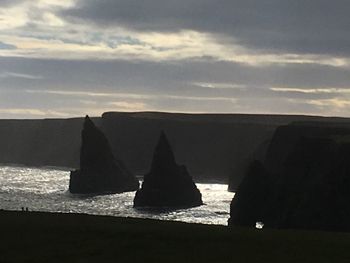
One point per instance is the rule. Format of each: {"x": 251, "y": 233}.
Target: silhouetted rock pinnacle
{"x": 100, "y": 172}
{"x": 247, "y": 205}
{"x": 167, "y": 184}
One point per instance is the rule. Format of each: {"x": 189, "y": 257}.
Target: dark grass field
{"x": 50, "y": 237}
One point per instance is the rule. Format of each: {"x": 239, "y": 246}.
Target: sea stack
{"x": 167, "y": 184}
{"x": 100, "y": 172}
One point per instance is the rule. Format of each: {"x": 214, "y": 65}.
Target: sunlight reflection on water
{"x": 46, "y": 190}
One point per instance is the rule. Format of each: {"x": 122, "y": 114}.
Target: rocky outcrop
{"x": 100, "y": 172}
{"x": 307, "y": 186}
{"x": 246, "y": 207}
{"x": 167, "y": 184}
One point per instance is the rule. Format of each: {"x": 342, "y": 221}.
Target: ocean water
{"x": 47, "y": 190}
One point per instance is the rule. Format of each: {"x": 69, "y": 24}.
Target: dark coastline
{"x": 55, "y": 237}
{"x": 213, "y": 146}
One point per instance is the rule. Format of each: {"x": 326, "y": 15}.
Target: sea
{"x": 46, "y": 190}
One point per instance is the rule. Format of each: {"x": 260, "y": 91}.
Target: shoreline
{"x": 59, "y": 237}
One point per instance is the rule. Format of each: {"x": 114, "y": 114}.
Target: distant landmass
{"x": 215, "y": 147}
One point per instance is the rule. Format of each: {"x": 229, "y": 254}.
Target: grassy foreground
{"x": 50, "y": 237}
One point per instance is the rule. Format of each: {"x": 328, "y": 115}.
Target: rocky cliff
{"x": 215, "y": 147}
{"x": 303, "y": 183}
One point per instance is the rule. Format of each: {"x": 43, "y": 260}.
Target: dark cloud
{"x": 168, "y": 86}
{"x": 170, "y": 78}
{"x": 9, "y": 3}
{"x": 302, "y": 26}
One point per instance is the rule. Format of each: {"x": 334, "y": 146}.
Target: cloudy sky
{"x": 64, "y": 58}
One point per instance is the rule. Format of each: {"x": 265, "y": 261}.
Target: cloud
{"x": 33, "y": 112}
{"x": 129, "y": 96}
{"x": 172, "y": 77}
{"x": 128, "y": 106}
{"x": 162, "y": 31}
{"x": 43, "y": 42}
{"x": 299, "y": 26}
{"x": 311, "y": 91}
{"x": 19, "y": 75}
{"x": 71, "y": 93}
{"x": 336, "y": 103}
{"x": 212, "y": 85}
{"x": 9, "y": 3}
{"x": 7, "y": 46}
{"x": 70, "y": 58}
{"x": 144, "y": 80}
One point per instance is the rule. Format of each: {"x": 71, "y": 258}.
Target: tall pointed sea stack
{"x": 167, "y": 184}
{"x": 100, "y": 172}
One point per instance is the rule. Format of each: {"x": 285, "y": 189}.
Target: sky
{"x": 67, "y": 58}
